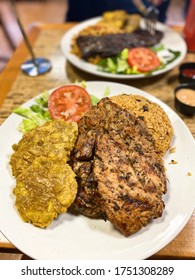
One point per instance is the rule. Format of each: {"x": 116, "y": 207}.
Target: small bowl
{"x": 187, "y": 72}
{"x": 185, "y": 99}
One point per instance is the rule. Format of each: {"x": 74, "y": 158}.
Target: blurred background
{"x": 32, "y": 12}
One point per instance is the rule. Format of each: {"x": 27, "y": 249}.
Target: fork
{"x": 150, "y": 15}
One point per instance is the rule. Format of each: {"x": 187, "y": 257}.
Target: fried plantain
{"x": 53, "y": 140}
{"x": 45, "y": 183}
{"x": 44, "y": 190}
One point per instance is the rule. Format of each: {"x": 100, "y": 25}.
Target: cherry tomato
{"x": 69, "y": 103}
{"x": 144, "y": 59}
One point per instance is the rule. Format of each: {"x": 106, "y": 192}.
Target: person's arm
{"x": 156, "y": 2}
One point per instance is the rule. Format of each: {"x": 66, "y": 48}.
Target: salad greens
{"x": 119, "y": 64}
{"x": 43, "y": 99}
{"x": 106, "y": 92}
{"x": 36, "y": 115}
{"x": 94, "y": 100}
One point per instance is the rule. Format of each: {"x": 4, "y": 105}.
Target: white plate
{"x": 171, "y": 40}
{"x": 78, "y": 237}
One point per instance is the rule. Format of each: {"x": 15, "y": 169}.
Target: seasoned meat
{"x": 144, "y": 34}
{"x": 121, "y": 175}
{"x": 130, "y": 192}
{"x": 112, "y": 44}
{"x": 97, "y": 119}
{"x": 87, "y": 200}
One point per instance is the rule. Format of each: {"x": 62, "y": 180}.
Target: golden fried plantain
{"x": 44, "y": 190}
{"x": 45, "y": 183}
{"x": 53, "y": 140}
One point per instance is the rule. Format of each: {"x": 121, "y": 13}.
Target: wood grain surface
{"x": 16, "y": 88}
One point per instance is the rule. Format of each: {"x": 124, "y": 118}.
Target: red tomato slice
{"x": 144, "y": 59}
{"x": 69, "y": 103}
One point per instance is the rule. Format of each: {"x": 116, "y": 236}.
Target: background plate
{"x": 78, "y": 237}
{"x": 170, "y": 40}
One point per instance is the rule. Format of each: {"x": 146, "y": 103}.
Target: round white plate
{"x": 78, "y": 237}
{"x": 171, "y": 40}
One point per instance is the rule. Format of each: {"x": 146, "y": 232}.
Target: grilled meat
{"x": 130, "y": 191}
{"x": 87, "y": 201}
{"x": 112, "y": 44}
{"x": 120, "y": 175}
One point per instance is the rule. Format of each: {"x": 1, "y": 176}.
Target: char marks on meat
{"x": 121, "y": 177}
{"x": 112, "y": 44}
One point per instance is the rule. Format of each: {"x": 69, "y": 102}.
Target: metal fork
{"x": 150, "y": 15}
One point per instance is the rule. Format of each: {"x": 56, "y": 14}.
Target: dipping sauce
{"x": 186, "y": 96}
{"x": 189, "y": 73}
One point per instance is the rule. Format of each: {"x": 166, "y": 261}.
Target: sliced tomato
{"x": 144, "y": 59}
{"x": 69, "y": 103}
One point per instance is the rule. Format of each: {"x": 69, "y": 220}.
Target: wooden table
{"x": 16, "y": 88}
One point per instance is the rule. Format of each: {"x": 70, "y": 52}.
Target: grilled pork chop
{"x": 120, "y": 175}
